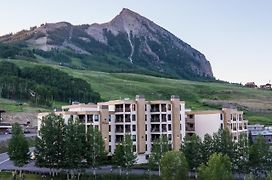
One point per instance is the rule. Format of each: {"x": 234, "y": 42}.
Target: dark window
{"x": 169, "y": 117}
{"x": 169, "y": 127}
{"x": 109, "y": 138}
{"x": 134, "y": 137}
{"x": 133, "y": 127}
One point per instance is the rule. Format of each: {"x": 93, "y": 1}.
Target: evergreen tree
{"x": 259, "y": 157}
{"x": 174, "y": 166}
{"x": 241, "y": 159}
{"x": 217, "y": 168}
{"x": 18, "y": 149}
{"x": 192, "y": 149}
{"x": 207, "y": 148}
{"x": 223, "y": 143}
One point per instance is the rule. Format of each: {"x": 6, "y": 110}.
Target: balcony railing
{"x": 118, "y": 109}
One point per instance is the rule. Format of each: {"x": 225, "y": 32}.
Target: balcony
{"x": 163, "y": 117}
{"x": 81, "y": 118}
{"x": 155, "y": 128}
{"x": 119, "y": 108}
{"x": 190, "y": 127}
{"x": 155, "y": 137}
{"x": 127, "y": 118}
{"x": 155, "y": 108}
{"x": 119, "y": 138}
{"x": 119, "y": 129}
{"x": 127, "y": 129}
{"x": 155, "y": 118}
{"x": 119, "y": 118}
{"x": 164, "y": 128}
{"x": 163, "y": 107}
{"x": 127, "y": 107}
{"x": 89, "y": 118}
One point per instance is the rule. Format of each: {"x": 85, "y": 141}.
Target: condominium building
{"x": 209, "y": 122}
{"x": 144, "y": 120}
{"x": 203, "y": 122}
{"x": 147, "y": 121}
{"x": 235, "y": 122}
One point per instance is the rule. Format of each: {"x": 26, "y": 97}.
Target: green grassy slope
{"x": 257, "y": 104}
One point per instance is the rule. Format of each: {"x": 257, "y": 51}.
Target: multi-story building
{"x": 144, "y": 120}
{"x": 203, "y": 122}
{"x": 147, "y": 121}
{"x": 235, "y": 122}
{"x": 209, "y": 122}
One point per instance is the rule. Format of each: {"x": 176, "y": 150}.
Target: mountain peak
{"x": 126, "y": 11}
{"x": 136, "y": 40}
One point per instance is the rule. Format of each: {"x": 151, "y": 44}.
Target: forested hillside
{"x": 43, "y": 85}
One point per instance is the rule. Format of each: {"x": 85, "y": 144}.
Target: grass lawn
{"x": 198, "y": 95}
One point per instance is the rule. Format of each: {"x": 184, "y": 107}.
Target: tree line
{"x": 73, "y": 146}
{"x": 43, "y": 85}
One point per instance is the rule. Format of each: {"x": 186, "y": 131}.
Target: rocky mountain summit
{"x": 128, "y": 43}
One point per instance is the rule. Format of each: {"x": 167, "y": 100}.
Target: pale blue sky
{"x": 234, "y": 35}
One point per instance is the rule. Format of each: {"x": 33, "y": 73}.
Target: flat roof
{"x": 203, "y": 112}
{"x": 262, "y": 132}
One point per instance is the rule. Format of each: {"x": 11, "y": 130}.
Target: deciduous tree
{"x": 174, "y": 166}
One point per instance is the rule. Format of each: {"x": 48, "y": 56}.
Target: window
{"x": 133, "y": 117}
{"x": 163, "y": 107}
{"x": 109, "y": 118}
{"x": 109, "y": 138}
{"x": 109, "y": 128}
{"x": 96, "y": 118}
{"x": 145, "y": 107}
{"x": 221, "y": 116}
{"x": 169, "y": 127}
{"x": 145, "y": 127}
{"x": 134, "y": 148}
{"x": 169, "y": 107}
{"x": 191, "y": 116}
{"x": 145, "y": 117}
{"x": 89, "y": 118}
{"x": 133, "y": 107}
{"x": 133, "y": 137}
{"x": 145, "y": 147}
{"x": 145, "y": 137}
{"x": 169, "y": 137}
{"x": 221, "y": 126}
{"x": 133, "y": 127}
{"x": 169, "y": 117}
{"x": 109, "y": 148}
